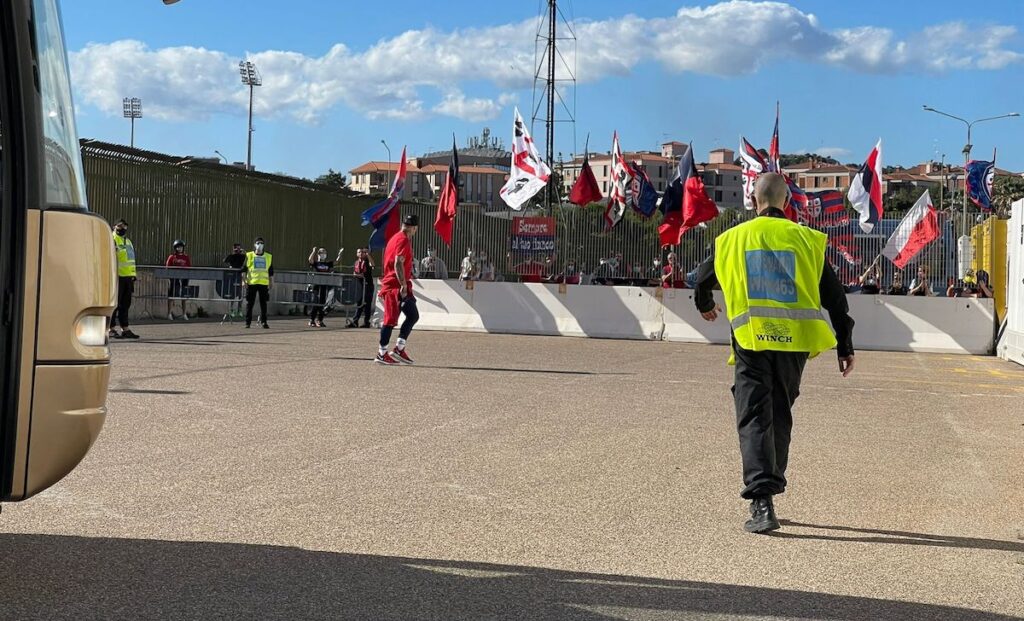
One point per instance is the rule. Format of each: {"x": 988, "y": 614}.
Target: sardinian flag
{"x": 979, "y": 183}
{"x": 826, "y": 210}
{"x": 918, "y": 228}
{"x": 753, "y": 165}
{"x": 866, "y": 190}
{"x": 621, "y": 195}
{"x": 529, "y": 173}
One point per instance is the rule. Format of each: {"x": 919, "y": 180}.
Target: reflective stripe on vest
{"x": 770, "y": 273}
{"x": 125, "y": 253}
{"x": 258, "y": 268}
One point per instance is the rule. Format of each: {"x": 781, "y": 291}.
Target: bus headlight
{"x": 91, "y": 330}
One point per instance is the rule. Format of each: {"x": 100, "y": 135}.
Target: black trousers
{"x": 250, "y": 298}
{"x": 766, "y": 387}
{"x": 365, "y": 309}
{"x": 125, "y": 289}
{"x": 320, "y": 295}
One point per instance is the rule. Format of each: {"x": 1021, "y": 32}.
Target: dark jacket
{"x": 833, "y": 297}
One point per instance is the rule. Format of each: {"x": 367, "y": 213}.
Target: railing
{"x": 219, "y": 291}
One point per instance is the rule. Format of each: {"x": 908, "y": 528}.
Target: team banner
{"x": 979, "y": 183}
{"x": 532, "y": 235}
{"x": 528, "y": 174}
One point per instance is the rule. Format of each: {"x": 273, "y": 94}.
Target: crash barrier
{"x": 1011, "y": 336}
{"x": 883, "y": 323}
{"x": 218, "y": 292}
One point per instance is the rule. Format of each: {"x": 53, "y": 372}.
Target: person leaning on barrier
{"x": 259, "y": 276}
{"x": 177, "y": 287}
{"x": 233, "y": 279}
{"x": 125, "y": 251}
{"x": 775, "y": 281}
{"x": 897, "y": 287}
{"x": 318, "y": 261}
{"x": 363, "y": 271}
{"x": 870, "y": 281}
{"x": 922, "y": 285}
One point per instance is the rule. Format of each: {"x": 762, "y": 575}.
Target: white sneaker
{"x": 185, "y": 316}
{"x": 170, "y": 316}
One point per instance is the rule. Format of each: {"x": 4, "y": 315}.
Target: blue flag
{"x": 645, "y": 198}
{"x": 979, "y": 183}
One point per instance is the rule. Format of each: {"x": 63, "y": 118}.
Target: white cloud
{"x": 420, "y": 73}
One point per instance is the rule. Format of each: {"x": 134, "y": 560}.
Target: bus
{"x": 57, "y": 270}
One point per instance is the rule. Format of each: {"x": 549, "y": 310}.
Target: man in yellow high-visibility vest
{"x": 775, "y": 280}
{"x": 259, "y": 275}
{"x": 124, "y": 250}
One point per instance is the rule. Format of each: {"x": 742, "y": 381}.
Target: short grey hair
{"x": 771, "y": 190}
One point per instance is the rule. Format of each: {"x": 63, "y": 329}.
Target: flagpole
{"x": 552, "y": 34}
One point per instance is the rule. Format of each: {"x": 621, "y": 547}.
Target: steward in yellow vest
{"x": 775, "y": 280}
{"x": 124, "y": 251}
{"x": 259, "y": 272}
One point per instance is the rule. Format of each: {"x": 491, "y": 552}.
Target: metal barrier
{"x": 223, "y": 291}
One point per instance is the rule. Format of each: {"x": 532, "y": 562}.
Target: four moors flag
{"x": 529, "y": 173}
{"x": 866, "y": 190}
{"x": 918, "y": 228}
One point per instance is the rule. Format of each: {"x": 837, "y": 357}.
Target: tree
{"x": 1006, "y": 190}
{"x": 332, "y": 178}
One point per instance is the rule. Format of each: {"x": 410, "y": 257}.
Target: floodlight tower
{"x": 250, "y": 77}
{"x": 132, "y": 110}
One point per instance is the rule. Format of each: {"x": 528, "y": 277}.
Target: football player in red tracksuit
{"x": 396, "y": 293}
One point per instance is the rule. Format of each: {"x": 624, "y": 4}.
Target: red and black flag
{"x": 446, "y": 206}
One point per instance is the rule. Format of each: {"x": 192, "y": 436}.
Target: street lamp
{"x": 132, "y": 110}
{"x": 221, "y": 155}
{"x": 967, "y": 158}
{"x": 251, "y": 78}
{"x": 388, "y": 173}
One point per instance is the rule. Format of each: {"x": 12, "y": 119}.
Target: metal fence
{"x": 634, "y": 243}
{"x": 211, "y": 206}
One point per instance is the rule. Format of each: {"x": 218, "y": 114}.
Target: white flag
{"x": 621, "y": 193}
{"x": 528, "y": 174}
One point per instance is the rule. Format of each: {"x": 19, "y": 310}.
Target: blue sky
{"x": 341, "y": 76}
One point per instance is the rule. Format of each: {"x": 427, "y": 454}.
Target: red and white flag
{"x": 529, "y": 174}
{"x": 753, "y": 165}
{"x": 621, "y": 194}
{"x": 918, "y": 228}
{"x": 866, "y": 190}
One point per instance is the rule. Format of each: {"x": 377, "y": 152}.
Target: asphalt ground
{"x": 280, "y": 474}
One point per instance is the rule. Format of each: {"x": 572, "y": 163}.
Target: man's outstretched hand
{"x": 712, "y": 314}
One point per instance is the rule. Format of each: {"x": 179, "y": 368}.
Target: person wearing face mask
{"x": 363, "y": 271}
{"x": 232, "y": 280}
{"x": 470, "y": 269}
{"x": 178, "y": 286}
{"x": 485, "y": 268}
{"x": 259, "y": 276}
{"x": 433, "y": 267}
{"x": 318, "y": 261}
{"x": 571, "y": 274}
{"x": 125, "y": 251}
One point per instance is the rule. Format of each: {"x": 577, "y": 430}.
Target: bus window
{"x": 65, "y": 183}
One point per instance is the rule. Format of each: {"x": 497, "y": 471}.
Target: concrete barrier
{"x": 1011, "y": 345}
{"x": 884, "y": 323}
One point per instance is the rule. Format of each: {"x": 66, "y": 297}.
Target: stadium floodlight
{"x": 132, "y": 110}
{"x": 250, "y": 77}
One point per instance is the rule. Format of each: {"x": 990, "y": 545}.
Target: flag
{"x": 826, "y": 210}
{"x": 918, "y": 228}
{"x": 866, "y": 190}
{"x": 644, "y": 196}
{"x": 844, "y": 245}
{"x": 774, "y": 160}
{"x": 797, "y": 200}
{"x": 685, "y": 204}
{"x": 621, "y": 186}
{"x": 449, "y": 201}
{"x": 384, "y": 216}
{"x": 979, "y": 183}
{"x": 529, "y": 174}
{"x": 753, "y": 165}
{"x": 585, "y": 190}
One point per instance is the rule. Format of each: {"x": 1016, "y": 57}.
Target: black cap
{"x": 258, "y": 239}
{"x": 411, "y": 220}
{"x": 121, "y": 221}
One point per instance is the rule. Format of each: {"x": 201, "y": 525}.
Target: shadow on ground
{"x": 46, "y": 576}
